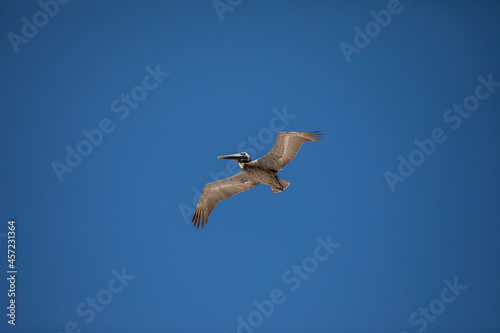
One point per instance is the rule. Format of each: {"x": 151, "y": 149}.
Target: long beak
{"x": 230, "y": 157}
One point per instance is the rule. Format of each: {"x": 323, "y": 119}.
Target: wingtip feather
{"x": 315, "y": 135}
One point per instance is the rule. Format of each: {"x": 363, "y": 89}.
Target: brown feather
{"x": 285, "y": 148}
{"x": 217, "y": 191}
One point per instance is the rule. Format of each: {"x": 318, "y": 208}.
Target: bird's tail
{"x": 284, "y": 184}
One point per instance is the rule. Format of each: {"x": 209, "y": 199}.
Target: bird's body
{"x": 261, "y": 171}
{"x": 264, "y": 176}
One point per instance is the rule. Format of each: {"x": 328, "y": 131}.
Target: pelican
{"x": 263, "y": 170}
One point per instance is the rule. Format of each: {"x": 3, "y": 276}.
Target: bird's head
{"x": 240, "y": 157}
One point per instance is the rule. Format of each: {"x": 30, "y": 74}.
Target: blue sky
{"x": 389, "y": 225}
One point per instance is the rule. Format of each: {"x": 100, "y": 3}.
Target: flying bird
{"x": 263, "y": 170}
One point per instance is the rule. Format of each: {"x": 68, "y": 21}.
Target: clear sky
{"x": 113, "y": 115}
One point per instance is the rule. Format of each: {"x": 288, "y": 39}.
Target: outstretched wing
{"x": 218, "y": 191}
{"x": 285, "y": 148}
